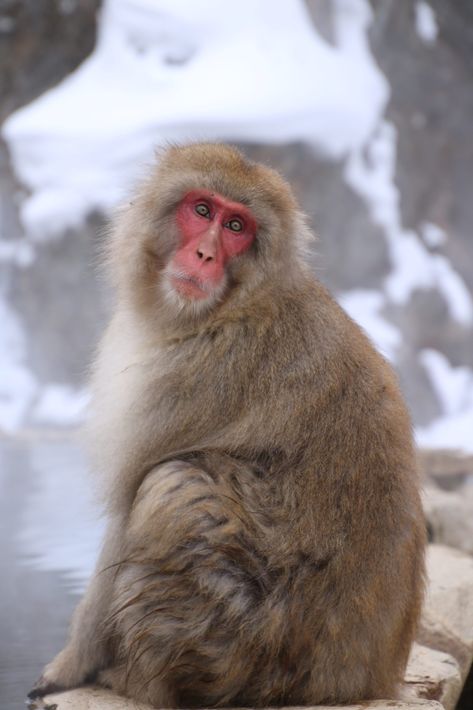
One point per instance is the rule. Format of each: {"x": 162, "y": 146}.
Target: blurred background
{"x": 366, "y": 106}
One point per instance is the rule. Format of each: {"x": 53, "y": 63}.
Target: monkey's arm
{"x": 156, "y": 403}
{"x": 87, "y": 649}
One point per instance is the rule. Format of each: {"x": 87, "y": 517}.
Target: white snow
{"x": 453, "y": 385}
{"x": 22, "y": 397}
{"x": 166, "y": 70}
{"x": 433, "y": 235}
{"x": 176, "y": 70}
{"x": 426, "y": 22}
{"x": 371, "y": 173}
{"x": 454, "y": 388}
{"x": 61, "y": 405}
{"x": 418, "y": 269}
{"x": 364, "y": 307}
{"x": 449, "y": 432}
{"x": 18, "y": 252}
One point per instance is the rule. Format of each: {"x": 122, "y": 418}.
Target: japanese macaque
{"x": 265, "y": 544}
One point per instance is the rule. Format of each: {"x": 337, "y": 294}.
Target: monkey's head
{"x": 205, "y": 227}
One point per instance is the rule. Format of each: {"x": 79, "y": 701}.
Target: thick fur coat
{"x": 257, "y": 462}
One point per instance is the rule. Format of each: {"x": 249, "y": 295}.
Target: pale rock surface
{"x": 447, "y": 619}
{"x": 433, "y": 675}
{"x": 449, "y": 468}
{"x": 450, "y": 516}
{"x": 94, "y": 699}
{"x": 87, "y": 699}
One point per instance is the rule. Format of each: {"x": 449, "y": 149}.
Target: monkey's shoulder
{"x": 308, "y": 319}
{"x": 314, "y": 343}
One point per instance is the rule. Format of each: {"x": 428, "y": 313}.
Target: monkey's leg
{"x": 188, "y": 603}
{"x": 86, "y": 651}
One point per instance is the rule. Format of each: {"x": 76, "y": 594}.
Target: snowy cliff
{"x": 344, "y": 97}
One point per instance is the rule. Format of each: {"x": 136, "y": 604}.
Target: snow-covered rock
{"x": 318, "y": 90}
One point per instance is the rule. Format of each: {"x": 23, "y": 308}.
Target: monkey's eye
{"x": 235, "y": 225}
{"x": 202, "y": 210}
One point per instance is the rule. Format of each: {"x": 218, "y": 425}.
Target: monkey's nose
{"x": 204, "y": 255}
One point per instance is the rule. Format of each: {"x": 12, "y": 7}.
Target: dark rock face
{"x": 351, "y": 251}
{"x": 321, "y": 12}
{"x": 62, "y": 304}
{"x": 431, "y": 107}
{"x": 58, "y": 299}
{"x": 41, "y": 41}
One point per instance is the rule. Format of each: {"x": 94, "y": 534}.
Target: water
{"x": 49, "y": 537}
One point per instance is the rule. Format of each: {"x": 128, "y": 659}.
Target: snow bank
{"x": 22, "y": 398}
{"x": 180, "y": 70}
{"x": 454, "y": 388}
{"x": 167, "y": 70}
{"x": 426, "y": 22}
{"x": 61, "y": 405}
{"x": 365, "y": 307}
{"x": 371, "y": 173}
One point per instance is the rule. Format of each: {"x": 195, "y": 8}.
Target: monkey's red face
{"x": 212, "y": 232}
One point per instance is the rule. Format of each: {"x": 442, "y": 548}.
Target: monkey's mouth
{"x": 189, "y": 286}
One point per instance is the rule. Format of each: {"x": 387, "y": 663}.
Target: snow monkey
{"x": 265, "y": 543}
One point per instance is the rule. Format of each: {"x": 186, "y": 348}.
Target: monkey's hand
{"x": 67, "y": 670}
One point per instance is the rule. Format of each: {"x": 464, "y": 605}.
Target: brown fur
{"x": 266, "y": 537}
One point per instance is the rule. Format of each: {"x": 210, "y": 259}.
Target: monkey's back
{"x": 279, "y": 558}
